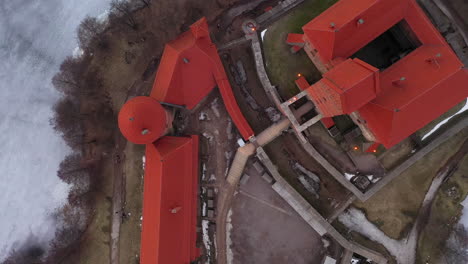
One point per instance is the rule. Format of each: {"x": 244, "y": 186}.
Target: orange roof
{"x": 190, "y": 68}
{"x": 184, "y": 75}
{"x": 199, "y": 29}
{"x": 170, "y": 201}
{"x": 142, "y": 120}
{"x": 328, "y": 122}
{"x": 345, "y": 88}
{"x": 410, "y": 93}
{"x": 420, "y": 76}
{"x": 302, "y": 83}
{"x": 348, "y": 25}
{"x": 294, "y": 39}
{"x": 392, "y": 125}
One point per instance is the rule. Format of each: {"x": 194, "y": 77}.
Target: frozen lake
{"x": 35, "y": 36}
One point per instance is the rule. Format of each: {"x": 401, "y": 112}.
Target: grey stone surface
{"x": 309, "y": 214}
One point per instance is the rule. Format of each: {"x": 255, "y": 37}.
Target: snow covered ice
{"x": 35, "y": 37}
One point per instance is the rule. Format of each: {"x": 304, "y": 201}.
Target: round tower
{"x": 142, "y": 120}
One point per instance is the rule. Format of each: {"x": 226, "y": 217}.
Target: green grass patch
{"x": 283, "y": 66}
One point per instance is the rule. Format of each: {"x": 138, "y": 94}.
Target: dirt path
{"x": 117, "y": 198}
{"x": 119, "y": 182}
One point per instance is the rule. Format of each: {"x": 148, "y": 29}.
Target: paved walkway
{"x": 261, "y": 71}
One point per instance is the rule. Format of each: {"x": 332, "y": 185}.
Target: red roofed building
{"x": 143, "y": 120}
{"x": 302, "y": 83}
{"x": 345, "y": 88}
{"x": 190, "y": 68}
{"x": 170, "y": 201}
{"x": 185, "y": 73}
{"x": 389, "y": 96}
{"x": 295, "y": 39}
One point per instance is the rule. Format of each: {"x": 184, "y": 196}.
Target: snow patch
{"x": 203, "y": 116}
{"x": 203, "y": 171}
{"x": 208, "y": 136}
{"x": 349, "y": 176}
{"x": 357, "y": 221}
{"x": 78, "y": 52}
{"x": 206, "y": 237}
{"x": 240, "y": 142}
{"x": 204, "y": 209}
{"x": 262, "y": 34}
{"x": 215, "y": 108}
{"x": 212, "y": 177}
{"x": 464, "y": 216}
{"x": 229, "y": 254}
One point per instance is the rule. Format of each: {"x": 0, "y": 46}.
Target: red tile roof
{"x": 413, "y": 91}
{"x": 345, "y": 88}
{"x": 170, "y": 201}
{"x": 190, "y": 68}
{"x": 337, "y": 33}
{"x": 302, "y": 83}
{"x": 294, "y": 39}
{"x": 139, "y": 114}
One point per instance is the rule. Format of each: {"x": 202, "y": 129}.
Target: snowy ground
{"x": 464, "y": 217}
{"x": 35, "y": 36}
{"x": 206, "y": 237}
{"x": 357, "y": 221}
{"x": 229, "y": 254}
{"x": 262, "y": 34}
{"x": 403, "y": 250}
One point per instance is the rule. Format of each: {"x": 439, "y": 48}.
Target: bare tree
{"x": 72, "y": 168}
{"x": 72, "y": 221}
{"x": 89, "y": 30}
{"x": 68, "y": 121}
{"x": 67, "y": 80}
{"x": 124, "y": 10}
{"x": 145, "y": 3}
{"x": 30, "y": 252}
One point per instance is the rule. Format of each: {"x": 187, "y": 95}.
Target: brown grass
{"x": 396, "y": 206}
{"x": 446, "y": 211}
{"x": 130, "y": 229}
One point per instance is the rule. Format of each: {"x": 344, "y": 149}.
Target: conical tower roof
{"x": 142, "y": 120}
